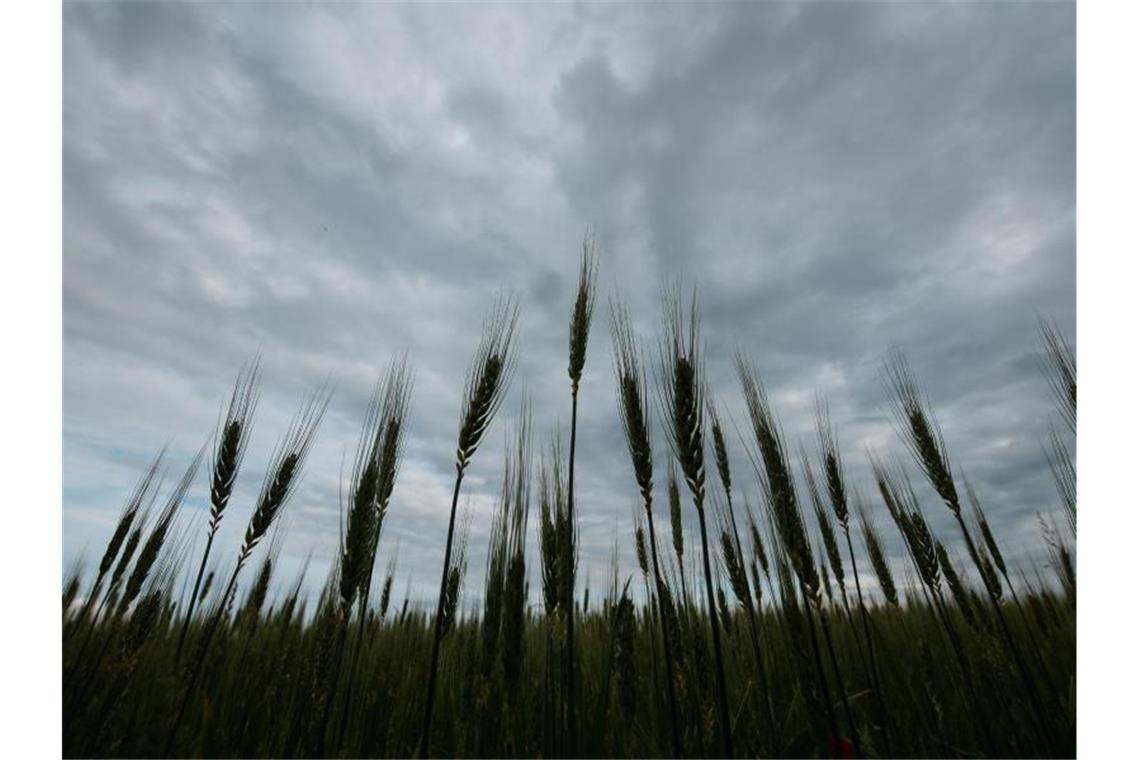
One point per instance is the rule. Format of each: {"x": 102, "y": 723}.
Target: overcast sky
{"x": 333, "y": 185}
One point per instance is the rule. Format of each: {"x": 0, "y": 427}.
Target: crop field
{"x": 754, "y": 636}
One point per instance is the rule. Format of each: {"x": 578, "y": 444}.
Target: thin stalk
{"x": 750, "y": 611}
{"x": 334, "y": 677}
{"x": 487, "y": 380}
{"x": 197, "y": 668}
{"x": 722, "y": 690}
{"x": 831, "y": 722}
{"x": 674, "y": 723}
{"x": 1011, "y": 645}
{"x": 866, "y": 618}
{"x": 579, "y": 335}
{"x": 571, "y": 703}
{"x": 193, "y": 596}
{"x": 839, "y": 679}
{"x": 437, "y": 636}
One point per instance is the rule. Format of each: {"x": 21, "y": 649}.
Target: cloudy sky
{"x": 333, "y": 185}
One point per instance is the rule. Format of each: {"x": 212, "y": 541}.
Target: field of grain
{"x": 771, "y": 647}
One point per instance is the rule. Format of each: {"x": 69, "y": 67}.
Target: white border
{"x": 1107, "y": 245}
{"x": 31, "y": 448}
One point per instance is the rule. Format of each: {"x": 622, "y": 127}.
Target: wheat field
{"x": 756, "y": 637}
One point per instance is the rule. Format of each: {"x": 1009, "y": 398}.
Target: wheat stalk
{"x": 140, "y": 501}
{"x": 633, "y": 410}
{"x": 1060, "y": 368}
{"x": 487, "y": 380}
{"x": 771, "y": 464}
{"x": 580, "y": 319}
{"x": 376, "y": 465}
{"x": 682, "y": 396}
{"x": 284, "y": 470}
{"x": 921, "y": 434}
{"x": 233, "y": 438}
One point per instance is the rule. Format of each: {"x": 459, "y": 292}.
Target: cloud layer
{"x": 330, "y": 185}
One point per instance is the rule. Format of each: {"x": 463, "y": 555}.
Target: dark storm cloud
{"x": 330, "y": 185}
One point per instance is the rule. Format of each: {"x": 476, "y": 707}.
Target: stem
{"x": 1050, "y": 685}
{"x": 77, "y": 660}
{"x": 832, "y": 725}
{"x": 571, "y": 704}
{"x": 964, "y": 666}
{"x": 1010, "y": 644}
{"x": 839, "y": 681}
{"x": 421, "y": 750}
{"x": 722, "y": 690}
{"x": 196, "y": 668}
{"x": 358, "y": 645}
{"x": 753, "y": 627}
{"x": 84, "y": 612}
{"x": 870, "y": 646}
{"x": 673, "y": 721}
{"x": 193, "y": 597}
{"x": 334, "y": 677}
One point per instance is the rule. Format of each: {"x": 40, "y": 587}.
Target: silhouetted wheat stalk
{"x": 487, "y": 381}
{"x": 633, "y": 408}
{"x": 233, "y": 437}
{"x": 836, "y": 485}
{"x": 141, "y": 499}
{"x": 1060, "y": 367}
{"x": 772, "y": 467}
{"x": 147, "y": 558}
{"x": 677, "y": 530}
{"x": 557, "y": 546}
{"x": 374, "y": 477}
{"x": 682, "y": 394}
{"x": 580, "y": 320}
{"x": 924, "y": 439}
{"x": 284, "y": 470}
{"x": 733, "y": 554}
{"x": 932, "y": 564}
